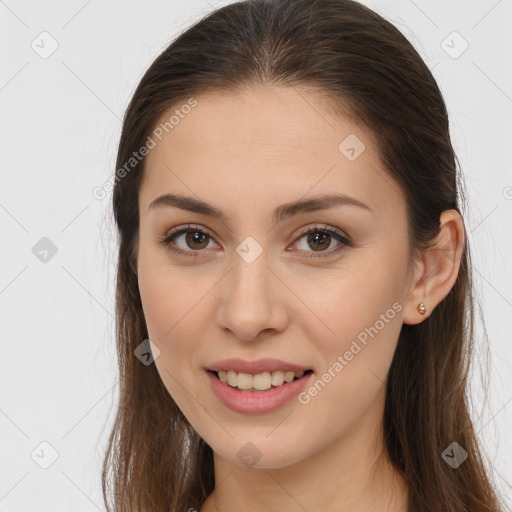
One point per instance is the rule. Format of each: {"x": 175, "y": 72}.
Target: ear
{"x": 437, "y": 269}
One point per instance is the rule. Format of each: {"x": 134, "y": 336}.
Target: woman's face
{"x": 251, "y": 286}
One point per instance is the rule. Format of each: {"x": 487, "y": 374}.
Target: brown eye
{"x": 319, "y": 239}
{"x": 196, "y": 237}
{"x": 195, "y": 240}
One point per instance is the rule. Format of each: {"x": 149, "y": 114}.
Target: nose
{"x": 252, "y": 299}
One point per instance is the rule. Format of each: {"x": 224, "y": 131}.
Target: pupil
{"x": 323, "y": 236}
{"x": 194, "y": 238}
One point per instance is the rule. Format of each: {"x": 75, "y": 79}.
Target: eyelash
{"x": 175, "y": 232}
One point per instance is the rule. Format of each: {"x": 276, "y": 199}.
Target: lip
{"x": 254, "y": 367}
{"x": 256, "y": 402}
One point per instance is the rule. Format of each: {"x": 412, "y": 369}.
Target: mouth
{"x": 261, "y": 382}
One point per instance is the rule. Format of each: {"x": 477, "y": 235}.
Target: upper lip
{"x": 259, "y": 366}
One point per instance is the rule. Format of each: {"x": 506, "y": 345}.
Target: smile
{"x": 257, "y": 393}
{"x": 260, "y": 381}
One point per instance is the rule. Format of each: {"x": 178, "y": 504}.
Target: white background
{"x": 60, "y": 124}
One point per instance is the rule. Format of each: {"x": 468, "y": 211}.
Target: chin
{"x": 257, "y": 452}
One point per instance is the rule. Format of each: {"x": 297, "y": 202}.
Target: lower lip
{"x": 258, "y": 401}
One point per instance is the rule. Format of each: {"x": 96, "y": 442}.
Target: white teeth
{"x": 260, "y": 381}
{"x": 244, "y": 380}
{"x": 288, "y": 376}
{"x": 232, "y": 378}
{"x": 277, "y": 378}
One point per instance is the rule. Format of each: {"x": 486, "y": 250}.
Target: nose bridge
{"x": 250, "y": 297}
{"x": 250, "y": 270}
{"x": 249, "y": 282}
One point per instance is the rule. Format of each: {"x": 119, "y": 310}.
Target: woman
{"x": 291, "y": 242}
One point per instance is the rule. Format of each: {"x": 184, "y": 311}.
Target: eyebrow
{"x": 317, "y": 203}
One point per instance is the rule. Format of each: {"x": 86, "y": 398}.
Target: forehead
{"x": 267, "y": 118}
{"x": 262, "y": 141}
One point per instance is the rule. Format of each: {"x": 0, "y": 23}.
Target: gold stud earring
{"x": 422, "y": 308}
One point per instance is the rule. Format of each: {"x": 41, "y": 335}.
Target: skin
{"x": 247, "y": 154}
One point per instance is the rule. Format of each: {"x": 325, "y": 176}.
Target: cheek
{"x": 158, "y": 302}
{"x": 172, "y": 304}
{"x": 168, "y": 294}
{"x": 171, "y": 330}
{"x": 360, "y": 305}
{"x": 161, "y": 306}
{"x": 356, "y": 361}
{"x": 363, "y": 310}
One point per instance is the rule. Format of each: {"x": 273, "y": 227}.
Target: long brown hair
{"x": 368, "y": 70}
